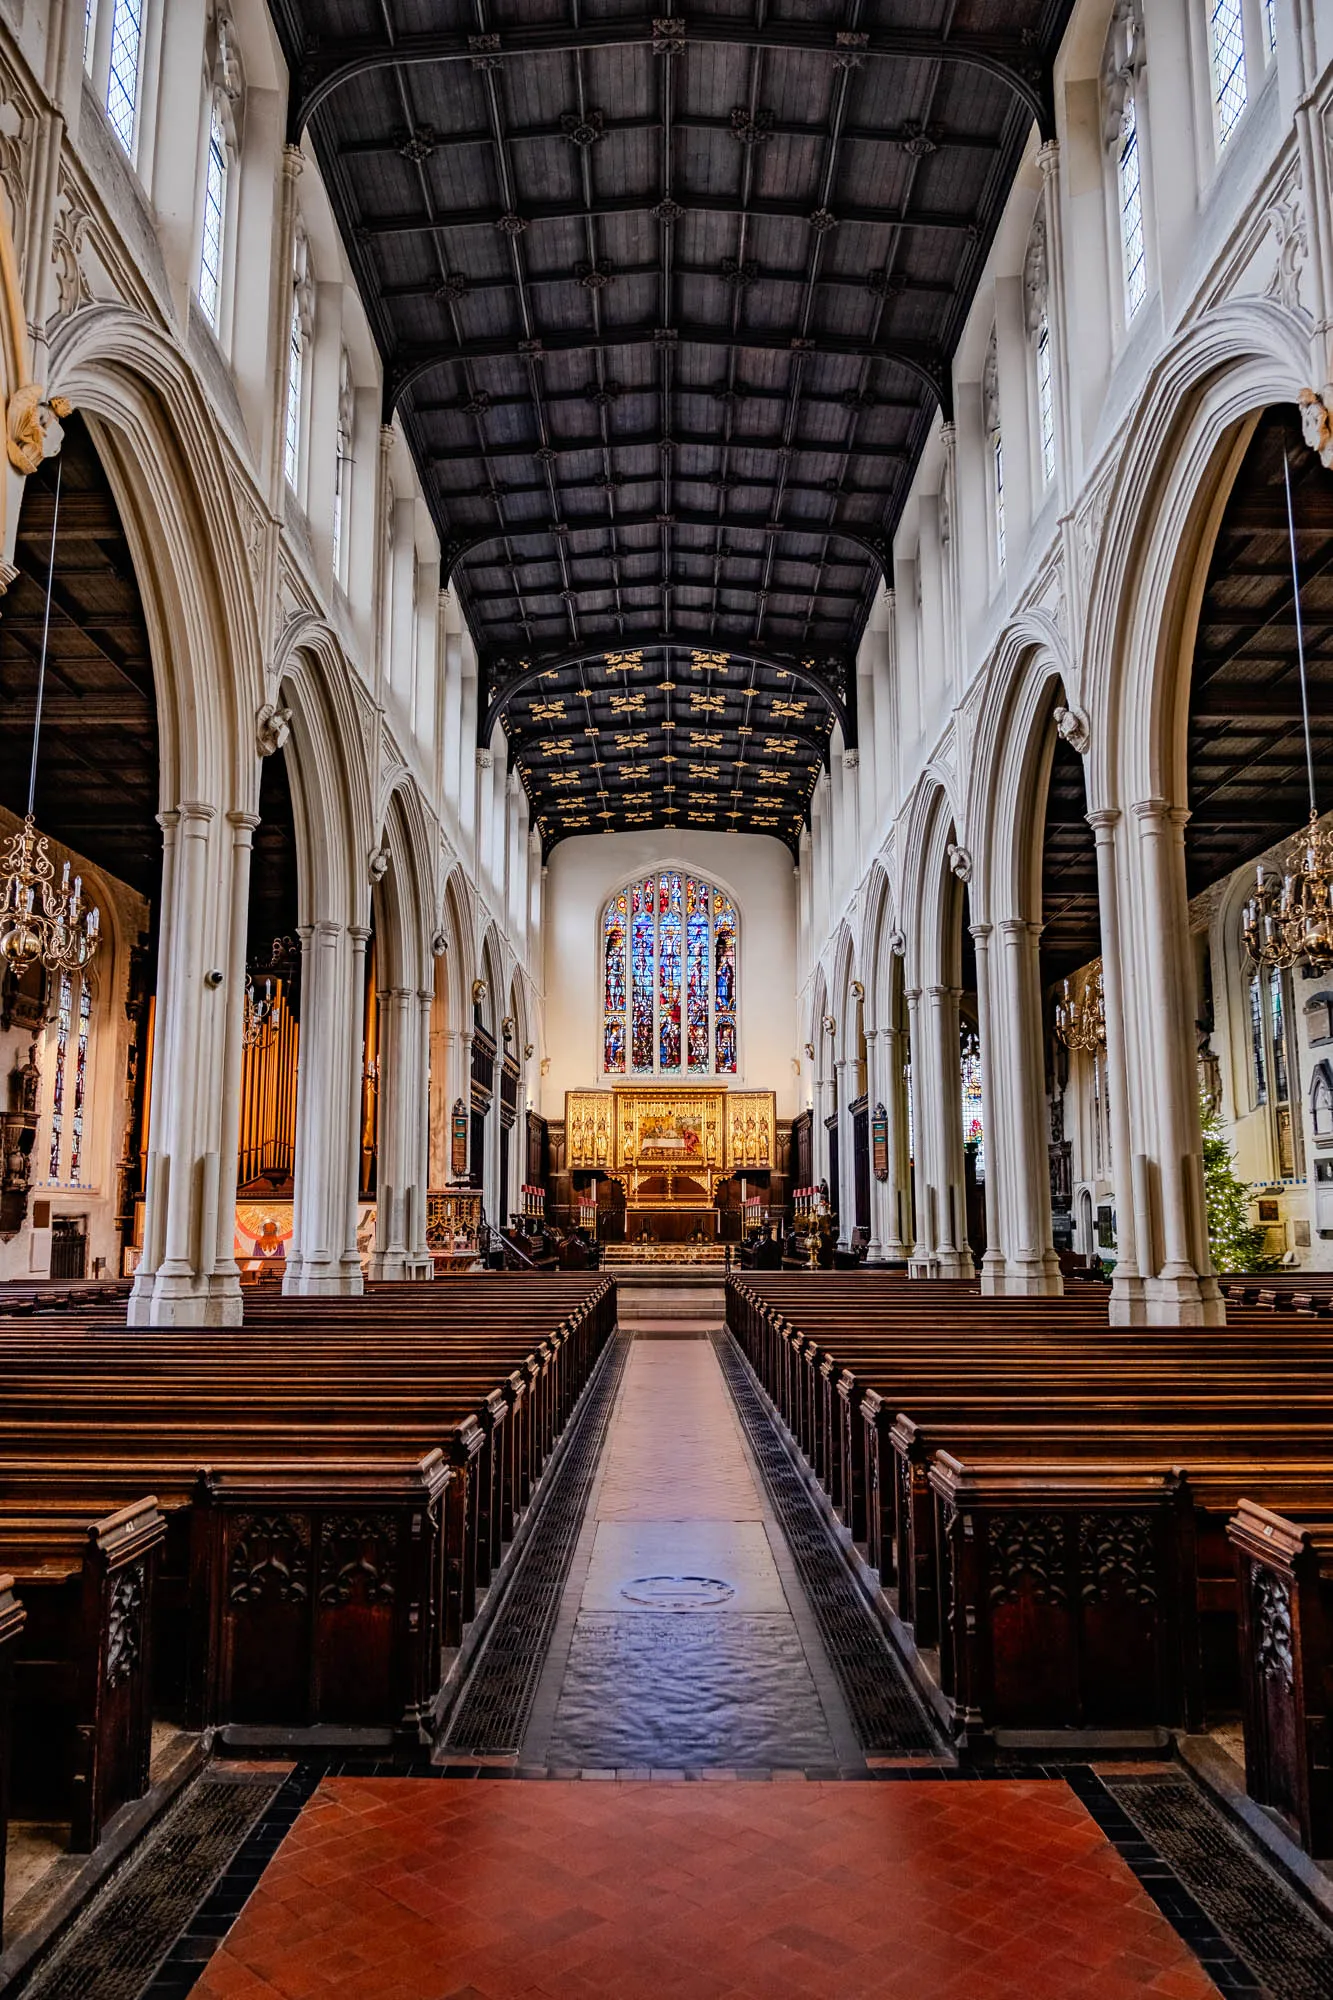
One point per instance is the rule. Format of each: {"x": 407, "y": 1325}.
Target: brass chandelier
{"x": 38, "y": 922}
{"x": 1080, "y": 1014}
{"x": 1288, "y": 920}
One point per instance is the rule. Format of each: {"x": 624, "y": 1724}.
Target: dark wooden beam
{"x": 334, "y": 63}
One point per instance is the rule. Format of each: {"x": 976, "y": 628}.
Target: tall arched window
{"x": 990, "y": 394}
{"x": 669, "y": 978}
{"x": 213, "y": 237}
{"x": 1122, "y": 67}
{"x": 342, "y": 449}
{"x": 1036, "y": 291}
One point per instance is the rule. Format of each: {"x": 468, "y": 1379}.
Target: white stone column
{"x": 1031, "y": 1267}
{"x": 398, "y": 1123}
{"x": 992, "y": 1120}
{"x": 1178, "y": 1279}
{"x": 941, "y": 1102}
{"x": 923, "y": 1262}
{"x": 1128, "y": 1306}
{"x": 175, "y": 1283}
{"x": 225, "y": 1280}
{"x": 328, "y": 1114}
{"x": 845, "y": 1192}
{"x": 896, "y": 1235}
{"x": 419, "y": 1259}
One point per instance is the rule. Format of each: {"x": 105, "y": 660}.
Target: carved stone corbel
{"x": 273, "y": 725}
{"x": 1317, "y": 422}
{"x": 1073, "y": 725}
{"x": 439, "y": 945}
{"x": 960, "y": 861}
{"x": 33, "y": 430}
{"x": 377, "y": 863}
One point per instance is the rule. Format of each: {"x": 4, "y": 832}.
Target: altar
{"x": 669, "y": 1147}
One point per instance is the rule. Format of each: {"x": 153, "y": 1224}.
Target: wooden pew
{"x": 321, "y": 1557}
{"x": 1284, "y": 1556}
{"x": 13, "y": 1617}
{"x": 82, "y": 1665}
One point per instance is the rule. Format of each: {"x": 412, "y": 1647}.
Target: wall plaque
{"x": 879, "y": 1142}
{"x": 458, "y": 1138}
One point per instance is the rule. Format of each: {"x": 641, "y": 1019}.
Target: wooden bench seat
{"x": 82, "y": 1665}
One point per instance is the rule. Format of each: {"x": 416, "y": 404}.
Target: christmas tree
{"x": 1236, "y": 1243}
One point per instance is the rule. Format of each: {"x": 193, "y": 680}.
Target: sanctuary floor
{"x": 686, "y": 1762}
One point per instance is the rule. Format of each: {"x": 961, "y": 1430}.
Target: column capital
{"x": 1103, "y": 818}
{"x": 359, "y": 934}
{"x": 1019, "y": 927}
{"x": 243, "y": 822}
{"x": 1161, "y": 811}
{"x": 1048, "y": 158}
{"x": 194, "y": 812}
{"x": 981, "y": 932}
{"x": 293, "y": 160}
{"x": 945, "y": 992}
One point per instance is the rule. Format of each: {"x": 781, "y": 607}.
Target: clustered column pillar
{"x": 183, "y": 1278}
{"x": 1179, "y": 1285}
{"x": 1018, "y": 1150}
{"x": 328, "y": 1101}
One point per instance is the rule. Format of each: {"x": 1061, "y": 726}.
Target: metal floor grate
{"x": 1282, "y": 1942}
{"x": 492, "y": 1711}
{"x": 886, "y": 1714}
{"x": 113, "y": 1949}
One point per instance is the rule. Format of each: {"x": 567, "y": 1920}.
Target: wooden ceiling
{"x": 1247, "y": 769}
{"x": 667, "y": 307}
{"x": 97, "y": 766}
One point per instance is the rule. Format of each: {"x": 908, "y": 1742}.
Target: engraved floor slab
{"x": 735, "y": 1553}
{"x": 684, "y": 1639}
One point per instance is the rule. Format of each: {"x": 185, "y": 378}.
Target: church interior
{"x": 666, "y": 999}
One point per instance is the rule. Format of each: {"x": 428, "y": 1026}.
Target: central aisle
{"x": 684, "y": 1637}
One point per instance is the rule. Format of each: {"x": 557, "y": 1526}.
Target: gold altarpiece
{"x": 670, "y": 1146}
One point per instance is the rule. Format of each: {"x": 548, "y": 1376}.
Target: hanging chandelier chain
{"x": 1288, "y": 921}
{"x": 38, "y": 922}
{"x": 46, "y": 636}
{"x": 1300, "y": 632}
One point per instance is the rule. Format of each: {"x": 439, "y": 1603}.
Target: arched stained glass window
{"x": 973, "y": 1128}
{"x": 669, "y": 979}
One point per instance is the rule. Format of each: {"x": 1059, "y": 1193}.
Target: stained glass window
{"x": 668, "y": 966}
{"x": 613, "y": 996}
{"x": 669, "y": 979}
{"x": 1258, "y": 1054}
{"x": 696, "y": 977}
{"x": 973, "y": 1130}
{"x": 80, "y": 1080}
{"x": 644, "y": 941}
{"x": 724, "y": 930}
{"x": 64, "y": 1022}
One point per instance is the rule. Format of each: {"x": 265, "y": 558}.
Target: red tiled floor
{"x": 411, "y": 1889}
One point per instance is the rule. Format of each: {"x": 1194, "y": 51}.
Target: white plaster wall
{"x": 755, "y": 870}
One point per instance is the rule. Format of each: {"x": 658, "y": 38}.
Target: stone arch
{"x": 1181, "y": 449}
{"x": 182, "y": 513}
{"x": 1180, "y": 455}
